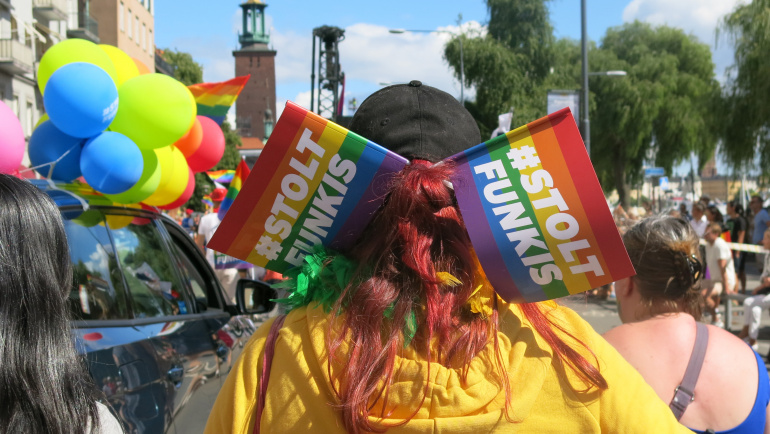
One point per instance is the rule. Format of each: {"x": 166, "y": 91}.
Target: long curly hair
{"x": 418, "y": 233}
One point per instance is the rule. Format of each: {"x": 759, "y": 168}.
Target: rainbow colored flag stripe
{"x": 221, "y": 176}
{"x": 241, "y": 173}
{"x": 318, "y": 183}
{"x": 215, "y": 99}
{"x": 536, "y": 215}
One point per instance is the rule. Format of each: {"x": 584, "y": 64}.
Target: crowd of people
{"x": 403, "y": 332}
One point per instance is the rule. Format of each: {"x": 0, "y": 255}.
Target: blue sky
{"x": 370, "y": 55}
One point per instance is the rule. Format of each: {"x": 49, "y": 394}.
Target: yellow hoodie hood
{"x": 545, "y": 396}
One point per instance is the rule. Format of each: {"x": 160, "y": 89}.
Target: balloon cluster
{"x": 132, "y": 135}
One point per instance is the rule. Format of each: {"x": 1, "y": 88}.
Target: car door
{"x": 121, "y": 360}
{"x": 228, "y": 330}
{"x": 164, "y": 310}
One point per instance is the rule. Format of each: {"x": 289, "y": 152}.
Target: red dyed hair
{"x": 417, "y": 233}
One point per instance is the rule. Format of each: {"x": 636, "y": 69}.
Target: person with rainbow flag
{"x": 403, "y": 333}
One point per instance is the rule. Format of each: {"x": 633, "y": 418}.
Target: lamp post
{"x": 462, "y": 63}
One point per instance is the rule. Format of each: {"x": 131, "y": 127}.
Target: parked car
{"x": 150, "y": 316}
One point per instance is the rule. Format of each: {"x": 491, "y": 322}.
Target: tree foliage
{"x": 509, "y": 63}
{"x": 666, "y": 106}
{"x": 747, "y": 118}
{"x": 662, "y": 108}
{"x": 186, "y": 70}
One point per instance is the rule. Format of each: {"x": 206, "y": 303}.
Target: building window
{"x": 150, "y": 41}
{"x": 130, "y": 33}
{"x": 121, "y": 18}
{"x": 28, "y": 122}
{"x": 15, "y": 106}
{"x": 144, "y": 37}
{"x": 137, "y": 29}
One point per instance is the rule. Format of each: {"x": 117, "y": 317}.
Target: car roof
{"x": 80, "y": 197}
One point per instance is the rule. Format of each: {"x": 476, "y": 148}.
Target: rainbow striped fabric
{"x": 221, "y": 176}
{"x": 536, "y": 214}
{"x": 318, "y": 183}
{"x": 215, "y": 99}
{"x": 236, "y": 182}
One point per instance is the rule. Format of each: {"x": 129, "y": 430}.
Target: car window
{"x": 193, "y": 267}
{"x": 97, "y": 291}
{"x": 153, "y": 284}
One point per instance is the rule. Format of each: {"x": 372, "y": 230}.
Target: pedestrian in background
{"x": 206, "y": 228}
{"x": 761, "y": 222}
{"x": 44, "y": 385}
{"x": 719, "y": 260}
{"x": 404, "y": 334}
{"x": 699, "y": 221}
{"x": 738, "y": 227}
{"x": 661, "y": 336}
{"x": 759, "y": 300}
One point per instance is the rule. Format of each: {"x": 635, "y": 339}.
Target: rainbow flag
{"x": 318, "y": 183}
{"x": 215, "y": 99}
{"x": 536, "y": 213}
{"x": 241, "y": 173}
{"x": 221, "y": 176}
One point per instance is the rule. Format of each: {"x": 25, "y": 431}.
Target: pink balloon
{"x": 186, "y": 195}
{"x": 211, "y": 149}
{"x": 12, "y": 142}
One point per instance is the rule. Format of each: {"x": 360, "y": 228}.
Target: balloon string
{"x": 51, "y": 163}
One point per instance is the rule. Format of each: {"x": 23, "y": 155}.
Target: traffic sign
{"x": 654, "y": 171}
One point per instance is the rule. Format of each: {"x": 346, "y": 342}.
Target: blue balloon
{"x": 81, "y": 99}
{"x": 47, "y": 145}
{"x": 111, "y": 163}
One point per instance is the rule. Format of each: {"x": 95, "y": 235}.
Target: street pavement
{"x": 603, "y": 314}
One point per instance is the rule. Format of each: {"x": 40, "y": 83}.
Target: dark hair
{"x": 664, "y": 252}
{"x": 699, "y": 206}
{"x": 715, "y": 214}
{"x": 738, "y": 207}
{"x": 418, "y": 233}
{"x": 44, "y": 387}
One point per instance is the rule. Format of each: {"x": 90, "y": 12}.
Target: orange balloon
{"x": 191, "y": 141}
{"x": 143, "y": 69}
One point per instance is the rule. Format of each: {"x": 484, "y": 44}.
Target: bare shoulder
{"x": 727, "y": 350}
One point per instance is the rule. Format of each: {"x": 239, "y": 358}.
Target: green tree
{"x": 664, "y": 107}
{"x": 508, "y": 65}
{"x": 747, "y": 118}
{"x": 186, "y": 70}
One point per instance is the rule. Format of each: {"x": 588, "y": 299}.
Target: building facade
{"x": 255, "y": 107}
{"x": 128, "y": 25}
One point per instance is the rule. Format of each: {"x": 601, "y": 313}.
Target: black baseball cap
{"x": 416, "y": 121}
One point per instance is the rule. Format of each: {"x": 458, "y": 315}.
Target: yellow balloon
{"x": 120, "y": 221}
{"x": 174, "y": 174}
{"x": 71, "y": 51}
{"x": 124, "y": 64}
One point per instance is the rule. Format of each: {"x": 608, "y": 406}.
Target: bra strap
{"x": 685, "y": 392}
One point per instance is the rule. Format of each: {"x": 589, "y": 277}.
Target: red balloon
{"x": 141, "y": 221}
{"x": 211, "y": 149}
{"x": 186, "y": 195}
{"x": 191, "y": 141}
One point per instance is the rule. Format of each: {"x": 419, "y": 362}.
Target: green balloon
{"x": 146, "y": 185}
{"x": 155, "y": 110}
{"x": 71, "y": 51}
{"x": 90, "y": 218}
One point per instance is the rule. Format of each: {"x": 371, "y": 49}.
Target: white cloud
{"x": 698, "y": 17}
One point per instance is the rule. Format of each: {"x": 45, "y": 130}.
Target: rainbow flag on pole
{"x": 215, "y": 99}
{"x": 241, "y": 173}
{"x": 536, "y": 213}
{"x": 317, "y": 183}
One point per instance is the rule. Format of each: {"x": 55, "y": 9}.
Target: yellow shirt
{"x": 299, "y": 390}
